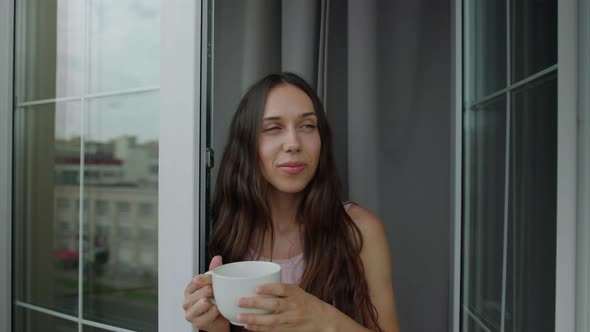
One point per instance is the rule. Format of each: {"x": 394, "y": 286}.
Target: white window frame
{"x": 573, "y": 163}
{"x": 565, "y": 262}
{"x": 180, "y": 164}
{"x": 6, "y": 102}
{"x": 583, "y": 239}
{"x": 456, "y": 164}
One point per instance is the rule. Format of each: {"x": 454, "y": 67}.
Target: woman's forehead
{"x": 287, "y": 100}
{"x": 278, "y": 117}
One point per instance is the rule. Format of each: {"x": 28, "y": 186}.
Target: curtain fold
{"x": 301, "y": 26}
{"x": 323, "y": 51}
{"x": 262, "y": 39}
{"x": 382, "y": 70}
{"x": 256, "y": 37}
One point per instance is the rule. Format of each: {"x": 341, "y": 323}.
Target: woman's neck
{"x": 287, "y": 230}
{"x": 283, "y": 208}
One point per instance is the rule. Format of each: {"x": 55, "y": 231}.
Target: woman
{"x": 278, "y": 198}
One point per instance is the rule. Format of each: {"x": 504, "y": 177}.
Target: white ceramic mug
{"x": 240, "y": 279}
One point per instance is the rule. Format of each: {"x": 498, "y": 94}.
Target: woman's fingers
{"x": 197, "y": 310}
{"x": 203, "y": 292}
{"x": 215, "y": 262}
{"x": 196, "y": 283}
{"x": 275, "y": 289}
{"x": 262, "y": 322}
{"x": 204, "y": 320}
{"x": 261, "y": 319}
{"x": 273, "y": 304}
{"x": 257, "y": 328}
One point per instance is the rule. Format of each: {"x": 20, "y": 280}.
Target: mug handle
{"x": 212, "y": 299}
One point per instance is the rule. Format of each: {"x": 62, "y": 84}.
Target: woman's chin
{"x": 289, "y": 188}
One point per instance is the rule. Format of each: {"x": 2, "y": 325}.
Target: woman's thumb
{"x": 215, "y": 262}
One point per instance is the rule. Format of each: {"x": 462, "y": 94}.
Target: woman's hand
{"x": 198, "y": 309}
{"x": 293, "y": 310}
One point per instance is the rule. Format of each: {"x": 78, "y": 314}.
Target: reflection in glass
{"x": 46, "y": 216}
{"x": 484, "y": 180}
{"x": 530, "y": 297}
{"x": 26, "y": 320}
{"x": 93, "y": 329}
{"x": 486, "y": 47}
{"x": 121, "y": 149}
{"x": 51, "y": 47}
{"x": 473, "y": 326}
{"x": 534, "y": 37}
{"x": 124, "y": 44}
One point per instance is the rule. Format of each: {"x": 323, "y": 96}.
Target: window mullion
{"x": 565, "y": 289}
{"x": 583, "y": 213}
{"x": 507, "y": 166}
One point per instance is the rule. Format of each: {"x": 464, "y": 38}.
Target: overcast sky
{"x": 123, "y": 53}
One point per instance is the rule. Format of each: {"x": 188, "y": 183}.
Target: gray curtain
{"x": 254, "y": 38}
{"x": 382, "y": 69}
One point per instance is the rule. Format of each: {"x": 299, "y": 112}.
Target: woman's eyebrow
{"x": 274, "y": 118}
{"x": 271, "y": 118}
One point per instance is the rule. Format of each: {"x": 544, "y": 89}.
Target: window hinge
{"x": 210, "y": 155}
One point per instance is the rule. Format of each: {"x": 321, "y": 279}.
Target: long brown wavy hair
{"x": 241, "y": 215}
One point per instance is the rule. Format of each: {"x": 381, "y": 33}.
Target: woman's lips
{"x": 292, "y": 167}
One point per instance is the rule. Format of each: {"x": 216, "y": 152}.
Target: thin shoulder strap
{"x": 348, "y": 204}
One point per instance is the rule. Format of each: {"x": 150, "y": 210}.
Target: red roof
{"x": 88, "y": 161}
{"x": 66, "y": 255}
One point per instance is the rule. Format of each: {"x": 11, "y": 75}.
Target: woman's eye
{"x": 308, "y": 126}
{"x": 272, "y": 128}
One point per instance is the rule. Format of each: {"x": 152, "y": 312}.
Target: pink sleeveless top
{"x": 291, "y": 268}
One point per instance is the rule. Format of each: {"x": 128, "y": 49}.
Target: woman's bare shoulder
{"x": 368, "y": 222}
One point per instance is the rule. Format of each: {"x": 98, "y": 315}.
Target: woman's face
{"x": 289, "y": 142}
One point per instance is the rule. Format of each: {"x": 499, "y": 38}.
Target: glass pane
{"x": 46, "y": 205}
{"x": 124, "y": 44}
{"x": 121, "y": 228}
{"x": 484, "y": 209}
{"x": 26, "y": 320}
{"x": 485, "y": 34}
{"x": 534, "y": 36}
{"x": 473, "y": 326}
{"x": 93, "y": 329}
{"x": 51, "y": 47}
{"x": 530, "y": 297}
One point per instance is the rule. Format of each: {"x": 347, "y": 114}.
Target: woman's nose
{"x": 292, "y": 143}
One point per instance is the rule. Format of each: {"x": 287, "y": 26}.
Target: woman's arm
{"x": 376, "y": 259}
